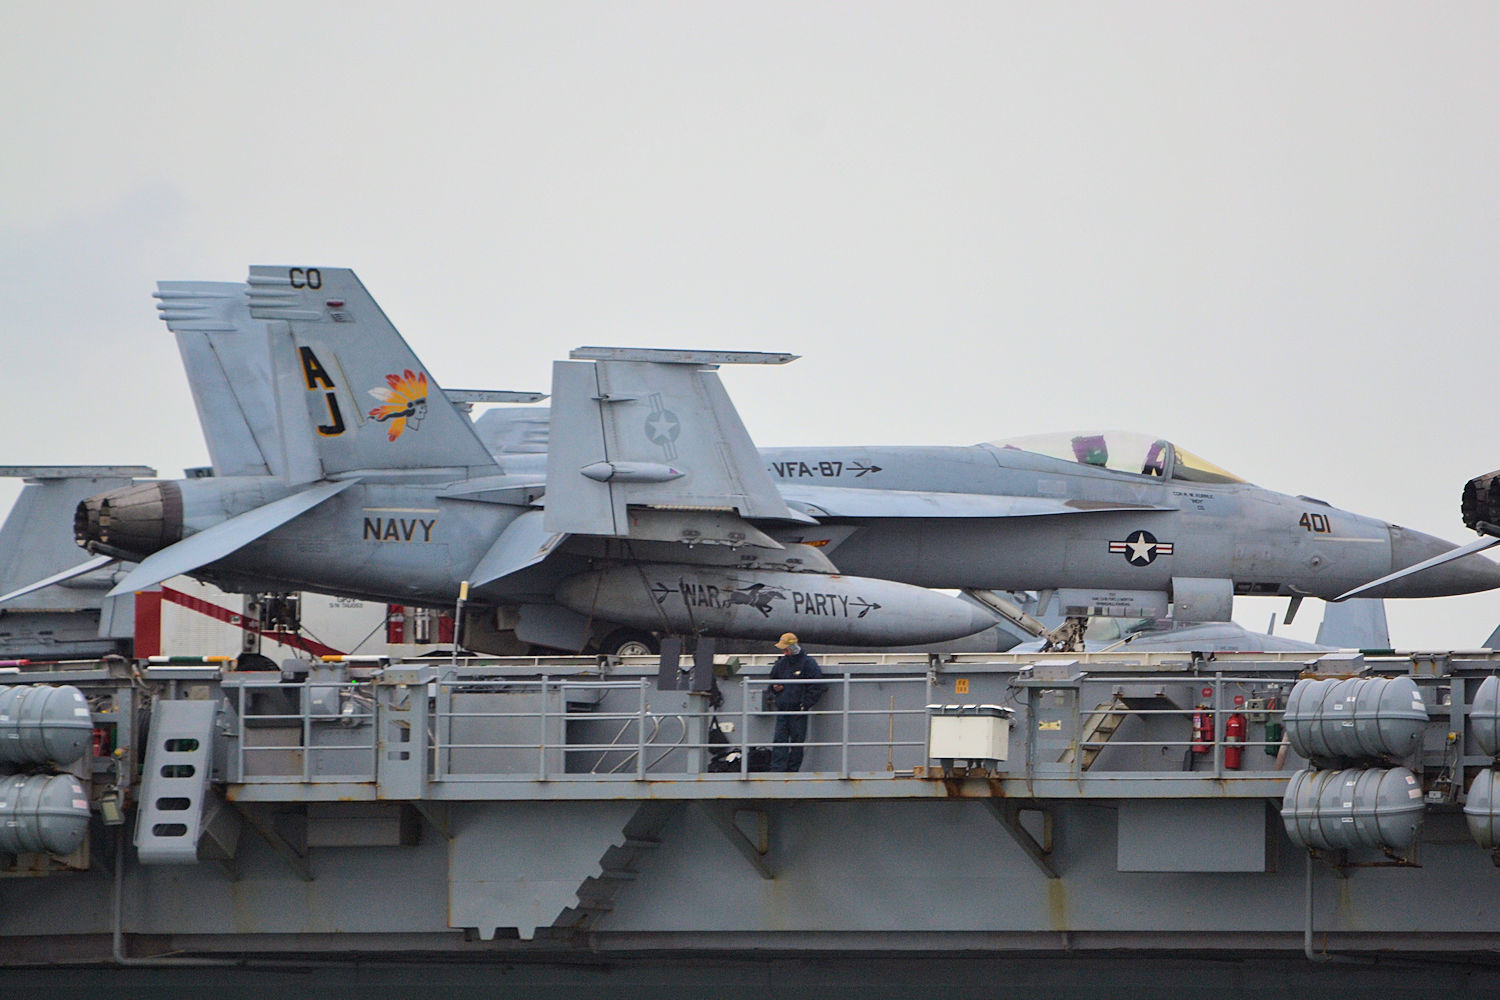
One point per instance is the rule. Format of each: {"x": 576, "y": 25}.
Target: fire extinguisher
{"x": 1234, "y": 739}
{"x": 1203, "y": 730}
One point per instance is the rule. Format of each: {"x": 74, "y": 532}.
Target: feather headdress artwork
{"x": 405, "y": 401}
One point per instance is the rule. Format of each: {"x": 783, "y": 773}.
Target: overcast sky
{"x": 1268, "y": 231}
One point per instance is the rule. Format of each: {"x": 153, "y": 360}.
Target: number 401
{"x": 1316, "y": 523}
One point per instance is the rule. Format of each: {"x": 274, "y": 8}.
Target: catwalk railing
{"x": 434, "y": 731}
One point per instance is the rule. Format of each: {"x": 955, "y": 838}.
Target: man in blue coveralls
{"x": 792, "y": 701}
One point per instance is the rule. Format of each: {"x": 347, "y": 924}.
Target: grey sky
{"x": 1270, "y": 232}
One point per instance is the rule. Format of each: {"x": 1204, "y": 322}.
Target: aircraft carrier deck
{"x": 1067, "y": 824}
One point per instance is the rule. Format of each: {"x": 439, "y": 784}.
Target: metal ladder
{"x": 174, "y": 789}
{"x": 1097, "y": 728}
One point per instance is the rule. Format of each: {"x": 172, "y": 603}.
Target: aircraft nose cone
{"x": 1467, "y": 575}
{"x": 981, "y": 619}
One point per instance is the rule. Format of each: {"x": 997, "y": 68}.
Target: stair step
{"x": 640, "y": 843}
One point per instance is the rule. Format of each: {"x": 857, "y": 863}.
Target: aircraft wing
{"x": 836, "y": 501}
{"x": 225, "y": 537}
{"x": 98, "y": 562}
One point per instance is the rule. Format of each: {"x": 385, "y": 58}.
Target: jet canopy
{"x": 1124, "y": 451}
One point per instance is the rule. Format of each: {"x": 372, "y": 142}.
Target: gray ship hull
{"x": 468, "y": 831}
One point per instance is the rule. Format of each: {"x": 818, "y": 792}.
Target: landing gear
{"x": 629, "y": 642}
{"x": 1067, "y": 637}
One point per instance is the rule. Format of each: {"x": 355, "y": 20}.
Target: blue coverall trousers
{"x": 791, "y": 734}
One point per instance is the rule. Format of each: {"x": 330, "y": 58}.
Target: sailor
{"x": 792, "y": 702}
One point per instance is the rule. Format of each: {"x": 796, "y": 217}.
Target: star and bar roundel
{"x": 1141, "y": 548}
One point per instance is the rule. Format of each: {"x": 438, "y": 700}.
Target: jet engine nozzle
{"x": 131, "y": 522}
{"x": 1481, "y": 500}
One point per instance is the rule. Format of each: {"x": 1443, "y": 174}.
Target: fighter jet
{"x": 1359, "y": 624}
{"x": 1151, "y": 521}
{"x": 72, "y": 620}
{"x": 1164, "y": 528}
{"x": 655, "y": 512}
{"x": 364, "y": 480}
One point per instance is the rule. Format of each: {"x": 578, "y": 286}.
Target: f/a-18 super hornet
{"x": 1152, "y": 523}
{"x": 651, "y": 510}
{"x": 1113, "y": 524}
{"x": 362, "y": 479}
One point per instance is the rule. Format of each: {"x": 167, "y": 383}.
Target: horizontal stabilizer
{"x": 98, "y": 562}
{"x": 838, "y": 501}
{"x": 524, "y": 542}
{"x": 1478, "y": 545}
{"x": 225, "y": 537}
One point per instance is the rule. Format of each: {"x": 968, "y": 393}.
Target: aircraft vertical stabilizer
{"x": 367, "y": 400}
{"x": 229, "y": 371}
{"x": 1355, "y": 624}
{"x": 651, "y": 429}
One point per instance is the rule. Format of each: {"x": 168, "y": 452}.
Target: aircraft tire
{"x": 629, "y": 642}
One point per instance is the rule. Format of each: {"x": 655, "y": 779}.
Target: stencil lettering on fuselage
{"x": 399, "y": 525}
{"x": 823, "y": 469}
{"x": 761, "y": 597}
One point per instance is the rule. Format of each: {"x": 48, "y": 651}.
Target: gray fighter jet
{"x": 363, "y": 479}
{"x": 655, "y": 512}
{"x": 1146, "y": 522}
{"x": 1176, "y": 526}
{"x": 73, "y": 620}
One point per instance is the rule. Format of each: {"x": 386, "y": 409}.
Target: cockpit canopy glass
{"x": 1193, "y": 469}
{"x": 1124, "y": 451}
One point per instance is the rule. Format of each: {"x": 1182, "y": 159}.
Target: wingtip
{"x": 96, "y": 563}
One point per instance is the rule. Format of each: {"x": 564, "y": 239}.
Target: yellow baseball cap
{"x": 789, "y": 639}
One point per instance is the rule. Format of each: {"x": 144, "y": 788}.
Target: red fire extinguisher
{"x": 1234, "y": 739}
{"x": 1203, "y": 730}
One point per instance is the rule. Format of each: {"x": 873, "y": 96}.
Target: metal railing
{"x": 285, "y": 732}
{"x": 557, "y": 729}
{"x": 466, "y": 725}
{"x": 1205, "y": 723}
